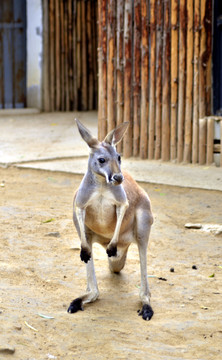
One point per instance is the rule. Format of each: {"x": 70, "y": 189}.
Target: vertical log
{"x": 128, "y": 141}
{"x": 95, "y": 62}
{"x": 174, "y": 79}
{"x": 144, "y": 80}
{"x": 136, "y": 78}
{"x": 210, "y": 141}
{"x": 152, "y": 79}
{"x": 90, "y": 56}
{"x": 202, "y": 140}
{"x": 119, "y": 65}
{"x": 66, "y": 56}
{"x": 62, "y": 86}
{"x": 57, "y": 56}
{"x": 46, "y": 56}
{"x": 159, "y": 18}
{"x": 70, "y": 55}
{"x": 102, "y": 119}
{"x": 208, "y": 56}
{"x": 189, "y": 84}
{"x": 202, "y": 64}
{"x": 110, "y": 64}
{"x": 78, "y": 54}
{"x": 84, "y": 66}
{"x": 75, "y": 91}
{"x": 195, "y": 141}
{"x": 52, "y": 54}
{"x": 165, "y": 145}
{"x": 182, "y": 62}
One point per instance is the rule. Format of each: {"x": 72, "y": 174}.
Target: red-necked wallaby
{"x": 112, "y": 209}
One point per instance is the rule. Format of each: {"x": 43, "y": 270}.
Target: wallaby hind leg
{"x": 92, "y": 292}
{"x": 116, "y": 264}
{"x": 144, "y": 221}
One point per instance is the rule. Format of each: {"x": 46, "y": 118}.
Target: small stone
{"x": 7, "y": 349}
{"x": 53, "y": 234}
{"x": 193, "y": 226}
{"x": 172, "y": 269}
{"x": 194, "y": 267}
{"x": 190, "y": 298}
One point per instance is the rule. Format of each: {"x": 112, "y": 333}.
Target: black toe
{"x": 84, "y": 255}
{"x": 146, "y": 312}
{"x": 75, "y": 306}
{"x": 112, "y": 251}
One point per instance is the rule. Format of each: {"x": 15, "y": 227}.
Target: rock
{"x": 193, "y": 226}
{"x": 53, "y": 234}
{"x": 7, "y": 349}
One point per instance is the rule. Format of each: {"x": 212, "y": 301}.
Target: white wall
{"x": 34, "y": 53}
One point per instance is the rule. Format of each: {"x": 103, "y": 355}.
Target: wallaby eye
{"x": 119, "y": 158}
{"x": 101, "y": 160}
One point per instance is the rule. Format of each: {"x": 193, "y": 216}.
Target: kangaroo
{"x": 110, "y": 208}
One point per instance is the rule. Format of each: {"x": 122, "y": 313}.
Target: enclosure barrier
{"x": 70, "y": 55}
{"x": 155, "y": 72}
{"x": 143, "y": 61}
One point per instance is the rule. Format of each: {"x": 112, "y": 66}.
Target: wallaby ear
{"x": 116, "y": 135}
{"x": 91, "y": 141}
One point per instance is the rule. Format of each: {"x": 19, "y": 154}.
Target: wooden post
{"x": 152, "y": 79}
{"x": 136, "y": 78}
{"x": 165, "y": 143}
{"x": 189, "y": 85}
{"x": 208, "y": 55}
{"x": 144, "y": 80}
{"x": 90, "y": 55}
{"x": 202, "y": 140}
{"x": 52, "y": 54}
{"x": 46, "y": 55}
{"x": 174, "y": 79}
{"x": 195, "y": 140}
{"x": 84, "y": 59}
{"x": 202, "y": 64}
{"x": 159, "y": 18}
{"x": 210, "y": 140}
{"x": 127, "y": 141}
{"x": 110, "y": 64}
{"x": 75, "y": 88}
{"x": 62, "y": 49}
{"x": 182, "y": 62}
{"x": 78, "y": 53}
{"x": 57, "y": 56}
{"x": 119, "y": 65}
{"x": 66, "y": 56}
{"x": 102, "y": 120}
{"x": 94, "y": 55}
{"x": 70, "y": 55}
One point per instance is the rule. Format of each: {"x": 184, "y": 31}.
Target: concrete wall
{"x": 34, "y": 53}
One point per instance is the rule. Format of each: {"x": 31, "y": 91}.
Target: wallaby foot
{"x": 75, "y": 306}
{"x": 146, "y": 312}
{"x": 111, "y": 251}
{"x": 85, "y": 255}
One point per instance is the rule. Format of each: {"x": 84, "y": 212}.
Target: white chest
{"x": 101, "y": 212}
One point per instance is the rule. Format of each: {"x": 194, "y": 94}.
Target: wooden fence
{"x": 155, "y": 72}
{"x": 70, "y": 55}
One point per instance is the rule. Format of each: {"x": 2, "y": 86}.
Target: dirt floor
{"x": 41, "y": 272}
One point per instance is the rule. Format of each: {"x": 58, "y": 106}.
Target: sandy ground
{"x": 41, "y": 272}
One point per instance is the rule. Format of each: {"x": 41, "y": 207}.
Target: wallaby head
{"x": 104, "y": 160}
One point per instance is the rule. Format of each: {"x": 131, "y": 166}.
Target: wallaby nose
{"x": 118, "y": 178}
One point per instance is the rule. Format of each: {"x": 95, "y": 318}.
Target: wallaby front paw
{"x": 111, "y": 251}
{"x": 85, "y": 255}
